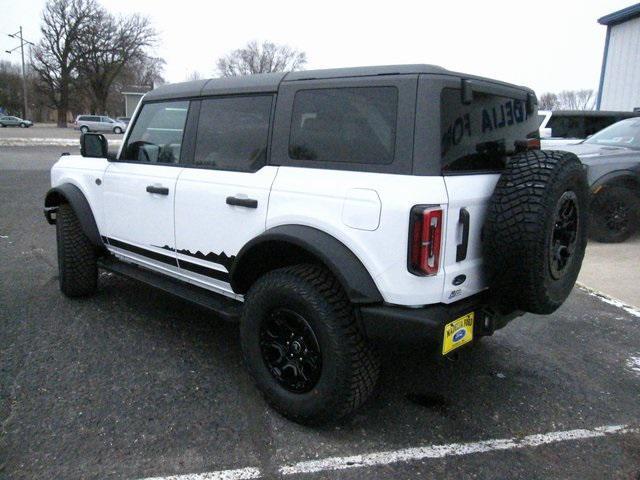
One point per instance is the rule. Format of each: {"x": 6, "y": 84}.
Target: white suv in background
{"x": 97, "y": 123}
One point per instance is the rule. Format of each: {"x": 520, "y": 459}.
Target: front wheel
{"x": 23, "y": 125}
{"x": 117, "y": 130}
{"x": 77, "y": 259}
{"x": 615, "y": 215}
{"x": 84, "y": 129}
{"x": 303, "y": 346}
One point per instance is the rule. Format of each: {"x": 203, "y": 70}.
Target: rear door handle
{"x": 158, "y": 190}
{"x": 242, "y": 202}
{"x": 461, "y": 250}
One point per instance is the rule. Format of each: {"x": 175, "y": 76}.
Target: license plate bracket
{"x": 458, "y": 332}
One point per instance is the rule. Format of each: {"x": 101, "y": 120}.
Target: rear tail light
{"x": 425, "y": 237}
{"x": 533, "y": 144}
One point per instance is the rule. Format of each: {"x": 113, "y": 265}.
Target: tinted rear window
{"x": 479, "y": 136}
{"x": 232, "y": 133}
{"x": 352, "y": 125}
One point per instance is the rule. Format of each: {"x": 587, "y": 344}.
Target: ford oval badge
{"x": 459, "y": 280}
{"x": 459, "y": 335}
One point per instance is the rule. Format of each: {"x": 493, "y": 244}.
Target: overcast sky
{"x": 546, "y": 45}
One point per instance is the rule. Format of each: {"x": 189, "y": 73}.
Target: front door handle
{"x": 242, "y": 202}
{"x": 158, "y": 190}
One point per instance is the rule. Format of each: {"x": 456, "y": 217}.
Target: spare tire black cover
{"x": 535, "y": 233}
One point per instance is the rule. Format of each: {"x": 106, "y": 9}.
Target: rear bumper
{"x": 402, "y": 324}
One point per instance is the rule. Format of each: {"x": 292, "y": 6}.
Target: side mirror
{"x": 93, "y": 145}
{"x": 546, "y": 133}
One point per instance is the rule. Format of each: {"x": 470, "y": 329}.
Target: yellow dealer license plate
{"x": 457, "y": 333}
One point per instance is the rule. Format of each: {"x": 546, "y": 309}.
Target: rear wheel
{"x": 303, "y": 346}
{"x": 77, "y": 259}
{"x": 615, "y": 215}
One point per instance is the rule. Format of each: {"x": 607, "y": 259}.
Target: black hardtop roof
{"x": 269, "y": 82}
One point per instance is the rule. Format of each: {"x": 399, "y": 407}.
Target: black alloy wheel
{"x": 564, "y": 234}
{"x": 290, "y": 350}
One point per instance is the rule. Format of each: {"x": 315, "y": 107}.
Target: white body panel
{"x": 208, "y": 230}
{"x": 319, "y": 198}
{"x": 137, "y": 217}
{"x": 476, "y": 201}
{"x": 83, "y": 173}
{"x": 367, "y": 212}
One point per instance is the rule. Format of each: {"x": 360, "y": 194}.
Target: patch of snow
{"x": 633, "y": 364}
{"x": 43, "y": 141}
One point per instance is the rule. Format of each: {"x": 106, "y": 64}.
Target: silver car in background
{"x": 9, "y": 121}
{"x": 98, "y": 123}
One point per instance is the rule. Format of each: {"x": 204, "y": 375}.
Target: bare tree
{"x": 109, "y": 45}
{"x": 56, "y": 57}
{"x": 10, "y": 87}
{"x": 568, "y": 100}
{"x": 548, "y": 101}
{"x": 193, "y": 75}
{"x": 261, "y": 58}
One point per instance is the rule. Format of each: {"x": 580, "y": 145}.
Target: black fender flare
{"x": 69, "y": 193}
{"x": 616, "y": 176}
{"x": 331, "y": 252}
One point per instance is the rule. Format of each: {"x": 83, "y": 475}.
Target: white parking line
{"x": 413, "y": 454}
{"x": 610, "y": 300}
{"x": 240, "y": 474}
{"x": 633, "y": 363}
{"x": 454, "y": 449}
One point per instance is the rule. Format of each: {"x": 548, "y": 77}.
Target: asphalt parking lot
{"x": 133, "y": 383}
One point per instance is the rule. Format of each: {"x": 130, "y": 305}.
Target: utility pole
{"x": 18, "y": 35}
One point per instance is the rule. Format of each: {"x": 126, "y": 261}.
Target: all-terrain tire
{"x": 525, "y": 230}
{"x": 615, "y": 215}
{"x": 349, "y": 366}
{"x": 77, "y": 258}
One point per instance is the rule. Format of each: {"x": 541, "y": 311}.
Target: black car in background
{"x": 612, "y": 158}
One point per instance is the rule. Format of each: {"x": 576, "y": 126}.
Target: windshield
{"x": 625, "y": 133}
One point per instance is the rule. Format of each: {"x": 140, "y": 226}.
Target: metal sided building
{"x": 620, "y": 75}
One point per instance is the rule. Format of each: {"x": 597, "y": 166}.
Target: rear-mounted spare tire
{"x": 536, "y": 230}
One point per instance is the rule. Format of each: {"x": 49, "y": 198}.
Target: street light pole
{"x": 18, "y": 35}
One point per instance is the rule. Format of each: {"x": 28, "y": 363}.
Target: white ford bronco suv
{"x": 324, "y": 209}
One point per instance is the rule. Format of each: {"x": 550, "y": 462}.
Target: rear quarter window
{"x": 480, "y": 135}
{"x": 347, "y": 125}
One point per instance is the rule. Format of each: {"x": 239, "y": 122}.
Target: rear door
{"x": 140, "y": 187}
{"x": 223, "y": 194}
{"x": 476, "y": 138}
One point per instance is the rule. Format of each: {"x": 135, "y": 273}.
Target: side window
{"x": 157, "y": 134}
{"x": 353, "y": 125}
{"x": 567, "y": 126}
{"x": 233, "y": 132}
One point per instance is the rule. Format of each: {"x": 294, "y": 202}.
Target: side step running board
{"x": 227, "y": 308}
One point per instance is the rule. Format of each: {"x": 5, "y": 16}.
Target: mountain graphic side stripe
{"x": 222, "y": 258}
